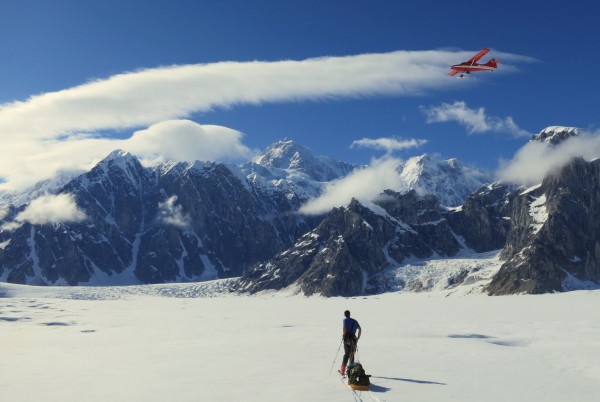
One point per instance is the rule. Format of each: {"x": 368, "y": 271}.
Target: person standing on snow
{"x": 350, "y": 338}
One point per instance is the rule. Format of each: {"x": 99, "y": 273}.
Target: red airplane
{"x": 472, "y": 65}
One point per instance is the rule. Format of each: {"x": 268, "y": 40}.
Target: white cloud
{"x": 23, "y": 163}
{"x": 172, "y": 214}
{"x": 70, "y": 129}
{"x": 148, "y": 96}
{"x": 10, "y": 226}
{"x": 388, "y": 144}
{"x": 536, "y": 159}
{"x": 475, "y": 120}
{"x": 185, "y": 140}
{"x": 363, "y": 184}
{"x": 51, "y": 209}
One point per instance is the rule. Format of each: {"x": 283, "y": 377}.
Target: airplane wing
{"x": 453, "y": 73}
{"x": 478, "y": 56}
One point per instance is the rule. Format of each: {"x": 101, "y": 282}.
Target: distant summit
{"x": 556, "y": 134}
{"x": 286, "y": 154}
{"x": 449, "y": 180}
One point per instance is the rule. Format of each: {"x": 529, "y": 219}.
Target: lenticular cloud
{"x": 148, "y": 96}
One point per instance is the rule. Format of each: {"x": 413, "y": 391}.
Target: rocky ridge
{"x": 344, "y": 254}
{"x": 174, "y": 222}
{"x": 203, "y": 220}
{"x": 554, "y": 244}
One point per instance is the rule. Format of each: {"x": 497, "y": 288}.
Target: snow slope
{"x": 139, "y": 344}
{"x": 449, "y": 180}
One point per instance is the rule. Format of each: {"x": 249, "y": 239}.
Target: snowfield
{"x": 196, "y": 342}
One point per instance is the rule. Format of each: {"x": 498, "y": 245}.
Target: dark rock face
{"x": 352, "y": 245}
{"x": 328, "y": 259}
{"x": 216, "y": 226}
{"x": 184, "y": 222}
{"x": 422, "y": 213}
{"x": 550, "y": 236}
{"x": 555, "y": 235}
{"x": 484, "y": 220}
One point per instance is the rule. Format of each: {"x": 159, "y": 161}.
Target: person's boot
{"x": 343, "y": 370}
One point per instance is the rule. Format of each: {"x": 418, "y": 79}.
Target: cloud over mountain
{"x": 536, "y": 159}
{"x": 25, "y": 162}
{"x": 51, "y": 209}
{"x": 364, "y": 184}
{"x": 172, "y": 214}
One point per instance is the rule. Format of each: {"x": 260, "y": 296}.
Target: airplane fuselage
{"x": 466, "y": 68}
{"x": 472, "y": 65}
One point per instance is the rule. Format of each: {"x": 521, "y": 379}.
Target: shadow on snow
{"x": 408, "y": 380}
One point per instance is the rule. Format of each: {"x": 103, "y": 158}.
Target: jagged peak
{"x": 119, "y": 158}
{"x": 450, "y": 180}
{"x": 426, "y": 163}
{"x": 284, "y": 154}
{"x": 123, "y": 161}
{"x": 556, "y": 134}
{"x": 550, "y": 129}
{"x": 118, "y": 153}
{"x": 287, "y": 154}
{"x": 432, "y": 159}
{"x": 420, "y": 159}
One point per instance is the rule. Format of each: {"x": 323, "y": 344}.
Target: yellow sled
{"x": 357, "y": 387}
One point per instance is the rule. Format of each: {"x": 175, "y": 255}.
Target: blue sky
{"x": 51, "y": 46}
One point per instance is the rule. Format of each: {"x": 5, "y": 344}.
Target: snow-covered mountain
{"x": 50, "y": 186}
{"x": 288, "y": 155}
{"x": 554, "y": 241}
{"x": 451, "y": 181}
{"x": 203, "y": 220}
{"x": 300, "y": 173}
{"x": 556, "y": 134}
{"x": 184, "y": 221}
{"x": 289, "y": 168}
{"x": 172, "y": 222}
{"x": 349, "y": 252}
{"x": 549, "y": 235}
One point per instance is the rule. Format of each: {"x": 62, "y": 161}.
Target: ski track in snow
{"x": 364, "y": 396}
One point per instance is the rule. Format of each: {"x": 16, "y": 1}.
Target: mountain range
{"x": 181, "y": 221}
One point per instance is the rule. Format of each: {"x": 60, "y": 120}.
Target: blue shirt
{"x": 351, "y": 325}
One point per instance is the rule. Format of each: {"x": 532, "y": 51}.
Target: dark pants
{"x": 349, "y": 350}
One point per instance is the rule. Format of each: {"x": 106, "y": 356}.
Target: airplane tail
{"x": 492, "y": 63}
